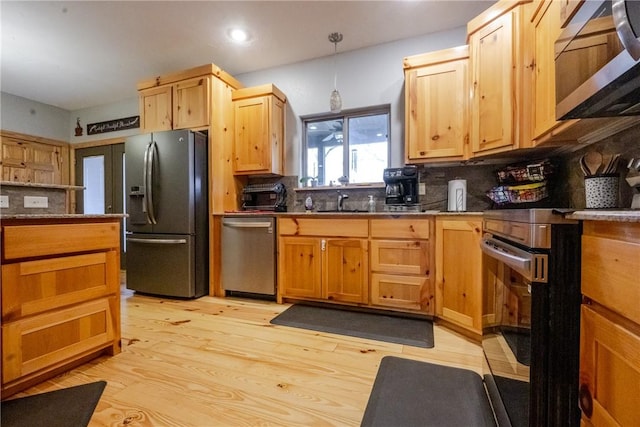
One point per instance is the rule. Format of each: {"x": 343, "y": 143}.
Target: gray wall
{"x": 33, "y": 118}
{"x": 366, "y": 77}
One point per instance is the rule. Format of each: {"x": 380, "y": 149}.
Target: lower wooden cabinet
{"x": 60, "y": 301}
{"x": 459, "y": 274}
{"x": 383, "y": 263}
{"x": 609, "y": 370}
{"x": 610, "y": 324}
{"x": 328, "y": 262}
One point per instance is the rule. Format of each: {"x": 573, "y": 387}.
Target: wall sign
{"x": 113, "y": 125}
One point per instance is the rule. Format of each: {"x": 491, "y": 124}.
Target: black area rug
{"x": 69, "y": 407}
{"x": 399, "y": 330}
{"x": 515, "y": 397}
{"x": 520, "y": 345}
{"x": 410, "y": 393}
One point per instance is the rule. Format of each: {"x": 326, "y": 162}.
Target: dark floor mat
{"x": 411, "y": 393}
{"x": 69, "y": 407}
{"x": 520, "y": 345}
{"x": 399, "y": 330}
{"x": 515, "y": 398}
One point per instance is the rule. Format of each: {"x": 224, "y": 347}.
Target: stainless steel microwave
{"x": 597, "y": 59}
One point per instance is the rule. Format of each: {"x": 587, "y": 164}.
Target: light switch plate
{"x": 4, "y": 201}
{"x": 422, "y": 189}
{"x": 36, "y": 202}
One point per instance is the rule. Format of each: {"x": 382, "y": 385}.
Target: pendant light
{"x": 335, "y": 101}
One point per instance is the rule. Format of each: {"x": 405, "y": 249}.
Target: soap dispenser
{"x": 372, "y": 204}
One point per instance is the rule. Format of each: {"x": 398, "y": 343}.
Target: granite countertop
{"x": 629, "y": 215}
{"x": 61, "y": 216}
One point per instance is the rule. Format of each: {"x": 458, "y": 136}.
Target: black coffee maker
{"x": 401, "y": 185}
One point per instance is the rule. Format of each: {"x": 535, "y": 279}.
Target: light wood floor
{"x": 219, "y": 362}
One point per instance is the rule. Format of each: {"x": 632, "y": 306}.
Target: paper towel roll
{"x": 458, "y": 195}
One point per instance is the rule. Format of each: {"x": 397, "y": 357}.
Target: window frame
{"x": 345, "y": 115}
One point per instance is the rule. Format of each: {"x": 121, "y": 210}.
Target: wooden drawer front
{"x": 609, "y": 370}
{"x": 23, "y": 241}
{"x": 400, "y": 256}
{"x": 400, "y": 228}
{"x": 323, "y": 227}
{"x": 405, "y": 292}
{"x": 42, "y": 341}
{"x": 611, "y": 274}
{"x": 36, "y": 286}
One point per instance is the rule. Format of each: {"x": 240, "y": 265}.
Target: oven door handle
{"x": 513, "y": 257}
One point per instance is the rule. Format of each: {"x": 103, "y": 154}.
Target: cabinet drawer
{"x": 403, "y": 292}
{"x": 42, "y": 341}
{"x": 610, "y": 274}
{"x": 323, "y": 227}
{"x": 400, "y": 228}
{"x": 36, "y": 286}
{"x": 22, "y": 241}
{"x": 400, "y": 256}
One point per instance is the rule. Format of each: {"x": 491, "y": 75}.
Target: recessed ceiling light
{"x": 238, "y": 35}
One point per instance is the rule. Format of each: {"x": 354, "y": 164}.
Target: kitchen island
{"x": 60, "y": 294}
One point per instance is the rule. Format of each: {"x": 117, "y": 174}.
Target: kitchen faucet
{"x": 341, "y": 198}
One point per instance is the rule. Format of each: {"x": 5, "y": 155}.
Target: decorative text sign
{"x": 113, "y": 125}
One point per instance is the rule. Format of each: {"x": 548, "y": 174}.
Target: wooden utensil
{"x": 593, "y": 161}
{"x": 584, "y": 167}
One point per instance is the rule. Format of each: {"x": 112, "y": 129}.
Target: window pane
{"x": 368, "y": 148}
{"x": 93, "y": 177}
{"x": 325, "y": 150}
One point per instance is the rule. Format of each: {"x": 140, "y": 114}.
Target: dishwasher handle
{"x": 158, "y": 241}
{"x": 249, "y": 224}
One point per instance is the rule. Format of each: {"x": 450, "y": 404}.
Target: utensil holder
{"x": 601, "y": 191}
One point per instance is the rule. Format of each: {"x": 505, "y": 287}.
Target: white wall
{"x": 366, "y": 77}
{"x": 33, "y": 118}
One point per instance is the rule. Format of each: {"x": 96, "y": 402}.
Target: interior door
{"x": 100, "y": 170}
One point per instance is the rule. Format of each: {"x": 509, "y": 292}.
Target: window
{"x": 353, "y": 143}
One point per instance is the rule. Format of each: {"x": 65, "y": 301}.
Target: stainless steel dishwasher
{"x": 249, "y": 256}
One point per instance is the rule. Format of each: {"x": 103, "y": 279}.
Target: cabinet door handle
{"x": 323, "y": 245}
{"x": 586, "y": 400}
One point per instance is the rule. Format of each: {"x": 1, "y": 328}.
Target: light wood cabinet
{"x": 259, "y": 131}
{"x": 610, "y": 324}
{"x": 500, "y": 63}
{"x": 317, "y": 260}
{"x": 400, "y": 262}
{"x": 459, "y": 272}
{"x": 181, "y": 105}
{"x": 436, "y": 105}
{"x": 33, "y": 160}
{"x": 60, "y": 303}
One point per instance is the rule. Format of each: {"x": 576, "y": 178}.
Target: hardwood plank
{"x": 218, "y": 361}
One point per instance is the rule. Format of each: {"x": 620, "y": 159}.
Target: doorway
{"x": 100, "y": 170}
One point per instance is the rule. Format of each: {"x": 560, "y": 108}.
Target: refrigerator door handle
{"x": 147, "y": 181}
{"x": 158, "y": 241}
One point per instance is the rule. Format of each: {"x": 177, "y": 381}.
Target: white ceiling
{"x": 80, "y": 54}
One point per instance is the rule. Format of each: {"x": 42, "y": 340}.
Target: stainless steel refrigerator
{"x": 166, "y": 183}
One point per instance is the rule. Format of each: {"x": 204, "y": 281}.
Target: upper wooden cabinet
{"x": 33, "y": 160}
{"x": 500, "y": 63}
{"x": 181, "y": 105}
{"x": 259, "y": 131}
{"x": 436, "y": 105}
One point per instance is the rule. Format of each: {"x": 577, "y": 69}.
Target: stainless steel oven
{"x": 532, "y": 349}
{"x": 597, "y": 61}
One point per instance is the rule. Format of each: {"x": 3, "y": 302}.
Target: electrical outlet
{"x": 36, "y": 202}
{"x": 4, "y": 201}
{"x": 422, "y": 189}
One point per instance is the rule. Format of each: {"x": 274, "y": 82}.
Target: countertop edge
{"x": 62, "y": 216}
{"x": 604, "y": 215}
